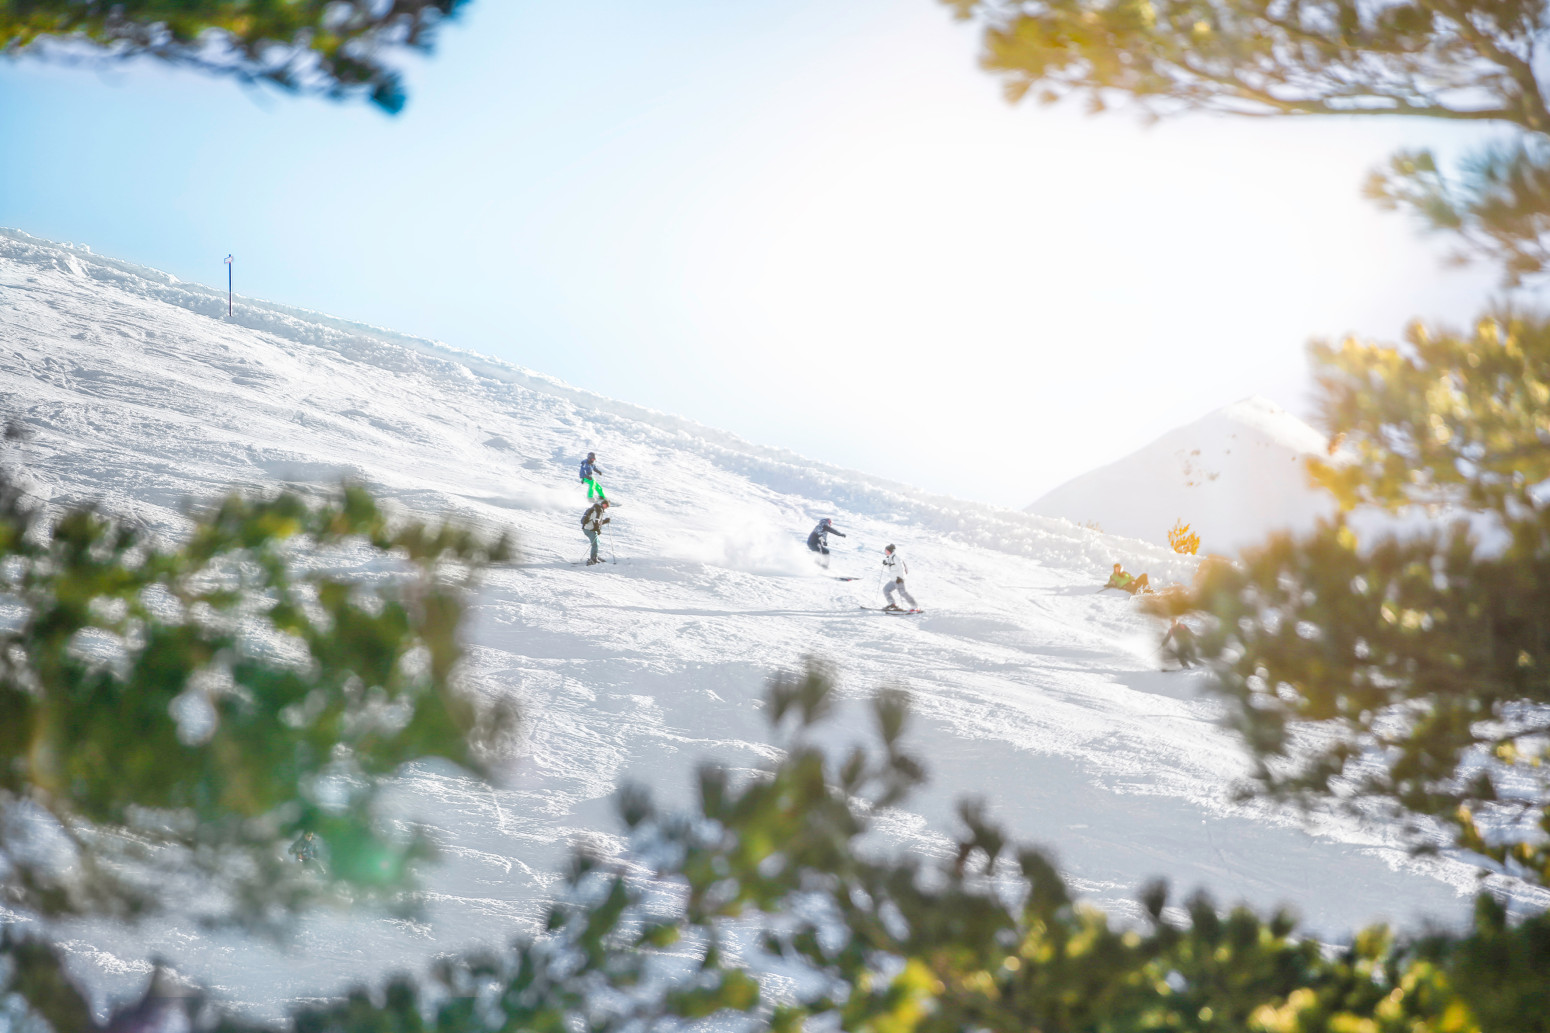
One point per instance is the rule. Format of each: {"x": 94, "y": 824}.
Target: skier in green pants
{"x": 589, "y": 472}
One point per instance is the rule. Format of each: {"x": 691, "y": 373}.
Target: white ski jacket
{"x": 893, "y": 565}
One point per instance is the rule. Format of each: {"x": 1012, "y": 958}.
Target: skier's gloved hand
{"x": 898, "y": 580}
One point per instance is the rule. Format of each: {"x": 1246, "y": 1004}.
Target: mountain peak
{"x": 1265, "y": 416}
{"x": 1234, "y": 475}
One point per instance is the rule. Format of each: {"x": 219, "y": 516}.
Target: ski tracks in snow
{"x": 1029, "y": 688}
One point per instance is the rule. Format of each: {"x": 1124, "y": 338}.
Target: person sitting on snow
{"x": 1126, "y": 582}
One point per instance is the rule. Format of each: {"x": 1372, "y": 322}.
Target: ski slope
{"x": 1030, "y": 688}
{"x": 1233, "y": 475}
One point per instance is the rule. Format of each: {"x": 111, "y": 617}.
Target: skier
{"x": 893, "y": 566}
{"x": 1127, "y": 582}
{"x": 592, "y": 522}
{"x": 818, "y": 541}
{"x": 305, "y": 849}
{"x": 589, "y": 472}
{"x": 1186, "y": 649}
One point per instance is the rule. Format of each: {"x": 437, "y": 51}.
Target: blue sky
{"x": 814, "y": 224}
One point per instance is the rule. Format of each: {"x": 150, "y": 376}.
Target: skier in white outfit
{"x": 894, "y": 568}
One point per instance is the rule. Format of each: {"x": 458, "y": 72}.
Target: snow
{"x": 1030, "y": 689}
{"x": 1233, "y": 476}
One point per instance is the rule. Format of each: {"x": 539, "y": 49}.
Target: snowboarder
{"x": 818, "y": 541}
{"x": 1127, "y": 582}
{"x": 305, "y": 849}
{"x": 589, "y": 472}
{"x": 592, "y": 522}
{"x": 894, "y": 568}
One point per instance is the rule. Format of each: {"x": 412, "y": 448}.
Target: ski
{"x": 884, "y": 609}
{"x": 838, "y": 578}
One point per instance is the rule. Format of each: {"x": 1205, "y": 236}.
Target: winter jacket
{"x": 589, "y": 470}
{"x": 893, "y": 565}
{"x": 305, "y": 849}
{"x": 820, "y": 535}
{"x": 593, "y": 519}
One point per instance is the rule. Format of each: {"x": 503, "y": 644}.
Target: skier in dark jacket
{"x": 818, "y": 541}
{"x": 1185, "y": 643}
{"x": 305, "y": 849}
{"x": 592, "y": 522}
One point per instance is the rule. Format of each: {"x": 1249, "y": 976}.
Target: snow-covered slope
{"x": 1233, "y": 476}
{"x": 1030, "y": 689}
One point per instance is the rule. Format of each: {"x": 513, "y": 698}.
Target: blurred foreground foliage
{"x": 335, "y": 48}
{"x": 171, "y": 718}
{"x": 772, "y": 904}
{"x": 1469, "y": 60}
{"x": 1397, "y": 660}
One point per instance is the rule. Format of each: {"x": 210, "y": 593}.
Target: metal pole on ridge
{"x": 228, "y": 286}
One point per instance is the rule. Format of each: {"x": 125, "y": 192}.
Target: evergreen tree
{"x": 1414, "y": 629}
{"x": 772, "y": 904}
{"x": 1411, "y": 632}
{"x": 336, "y": 48}
{"x": 1471, "y": 60}
{"x": 173, "y": 718}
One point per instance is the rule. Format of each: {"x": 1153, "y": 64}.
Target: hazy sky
{"x": 815, "y": 224}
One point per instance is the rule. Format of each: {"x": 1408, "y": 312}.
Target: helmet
{"x": 826, "y": 521}
{"x": 887, "y": 548}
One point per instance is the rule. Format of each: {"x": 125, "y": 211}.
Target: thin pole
{"x": 228, "y": 286}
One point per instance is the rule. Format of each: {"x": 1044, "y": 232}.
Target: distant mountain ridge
{"x": 1234, "y": 476}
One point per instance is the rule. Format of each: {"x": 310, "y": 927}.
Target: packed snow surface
{"x": 1031, "y": 689}
{"x": 1233, "y": 476}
